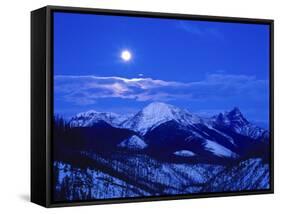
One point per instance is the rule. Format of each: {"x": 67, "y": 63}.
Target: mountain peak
{"x": 89, "y": 118}
{"x": 159, "y": 109}
{"x": 233, "y": 118}
{"x": 157, "y": 113}
{"x": 87, "y": 113}
{"x": 236, "y": 115}
{"x": 156, "y": 103}
{"x": 235, "y": 111}
{"x": 159, "y": 105}
{"x": 236, "y": 121}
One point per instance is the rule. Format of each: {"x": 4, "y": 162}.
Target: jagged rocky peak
{"x": 235, "y": 113}
{"x": 235, "y": 121}
{"x": 231, "y": 117}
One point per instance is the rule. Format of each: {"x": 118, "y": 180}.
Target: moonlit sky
{"x": 205, "y": 67}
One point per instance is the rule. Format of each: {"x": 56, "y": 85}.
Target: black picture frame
{"x": 42, "y": 102}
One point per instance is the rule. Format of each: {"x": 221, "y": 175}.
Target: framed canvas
{"x": 133, "y": 106}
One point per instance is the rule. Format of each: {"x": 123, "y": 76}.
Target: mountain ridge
{"x": 156, "y": 113}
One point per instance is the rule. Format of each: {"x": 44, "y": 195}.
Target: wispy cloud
{"x": 88, "y": 89}
{"x": 190, "y": 28}
{"x": 201, "y": 30}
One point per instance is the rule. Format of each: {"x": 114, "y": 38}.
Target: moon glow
{"x": 126, "y": 55}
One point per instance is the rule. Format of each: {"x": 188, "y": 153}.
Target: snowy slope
{"x": 184, "y": 153}
{"x": 140, "y": 175}
{"x": 246, "y": 175}
{"x": 134, "y": 143}
{"x": 219, "y": 150}
{"x": 94, "y": 184}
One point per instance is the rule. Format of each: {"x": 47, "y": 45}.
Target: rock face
{"x": 162, "y": 149}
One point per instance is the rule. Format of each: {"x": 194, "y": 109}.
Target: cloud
{"x": 85, "y": 90}
{"x": 201, "y": 29}
{"x": 190, "y": 28}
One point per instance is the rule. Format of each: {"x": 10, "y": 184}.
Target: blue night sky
{"x": 205, "y": 67}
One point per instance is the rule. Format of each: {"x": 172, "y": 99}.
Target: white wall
{"x": 15, "y": 99}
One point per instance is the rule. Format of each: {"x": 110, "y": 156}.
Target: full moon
{"x": 126, "y": 55}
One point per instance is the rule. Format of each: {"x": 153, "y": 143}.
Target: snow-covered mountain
{"x": 161, "y": 150}
{"x": 161, "y": 125}
{"x": 157, "y": 113}
{"x": 235, "y": 121}
{"x": 89, "y": 118}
